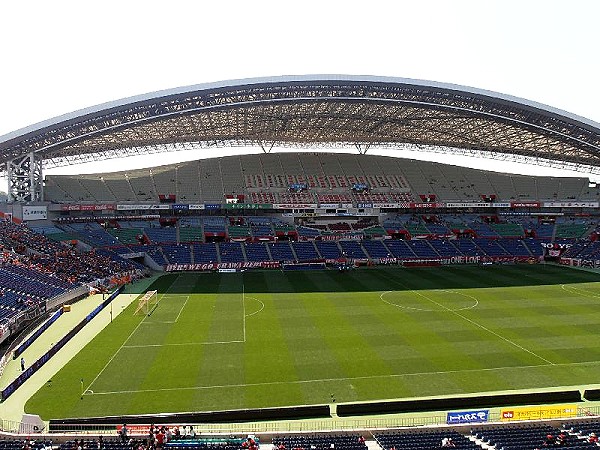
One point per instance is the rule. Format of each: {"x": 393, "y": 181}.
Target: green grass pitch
{"x": 267, "y": 338}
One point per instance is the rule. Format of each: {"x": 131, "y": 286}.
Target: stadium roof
{"x": 311, "y": 111}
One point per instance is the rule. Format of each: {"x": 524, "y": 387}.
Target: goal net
{"x": 147, "y": 303}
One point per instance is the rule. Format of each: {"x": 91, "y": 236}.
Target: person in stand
{"x": 448, "y": 442}
{"x": 22, "y": 364}
{"x": 593, "y": 439}
{"x": 160, "y": 438}
{"x": 151, "y": 432}
{"x": 549, "y": 442}
{"x": 252, "y": 445}
{"x": 123, "y": 433}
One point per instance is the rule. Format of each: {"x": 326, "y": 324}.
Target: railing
{"x": 328, "y": 425}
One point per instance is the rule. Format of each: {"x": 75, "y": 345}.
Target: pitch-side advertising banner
{"x": 539, "y": 412}
{"x": 478, "y": 416}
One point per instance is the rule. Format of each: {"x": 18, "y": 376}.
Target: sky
{"x": 61, "y": 56}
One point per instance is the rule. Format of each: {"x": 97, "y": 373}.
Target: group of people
{"x": 30, "y": 444}
{"x": 65, "y": 263}
{"x": 555, "y": 441}
{"x": 157, "y": 436}
{"x": 448, "y": 442}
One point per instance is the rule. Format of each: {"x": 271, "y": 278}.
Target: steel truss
{"x": 314, "y": 113}
{"x": 25, "y": 180}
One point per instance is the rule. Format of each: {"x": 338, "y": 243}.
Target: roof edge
{"x": 290, "y": 79}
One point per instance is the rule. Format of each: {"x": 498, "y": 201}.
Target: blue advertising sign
{"x": 212, "y": 206}
{"x": 180, "y": 207}
{"x": 477, "y": 416}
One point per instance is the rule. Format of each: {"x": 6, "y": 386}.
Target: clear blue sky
{"x": 61, "y": 56}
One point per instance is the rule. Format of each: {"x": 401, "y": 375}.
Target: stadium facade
{"x": 289, "y": 210}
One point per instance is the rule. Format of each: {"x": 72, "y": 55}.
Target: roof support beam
{"x": 266, "y": 149}
{"x": 25, "y": 179}
{"x": 362, "y": 148}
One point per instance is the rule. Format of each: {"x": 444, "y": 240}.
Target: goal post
{"x": 147, "y": 303}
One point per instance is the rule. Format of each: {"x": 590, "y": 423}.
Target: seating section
{"x": 177, "y": 253}
{"x": 190, "y": 234}
{"x": 376, "y": 249}
{"x": 329, "y": 249}
{"x": 444, "y": 248}
{"x": 281, "y": 251}
{"x": 586, "y": 431}
{"x": 352, "y": 249}
{"x": 230, "y": 252}
{"x": 160, "y": 235}
{"x": 34, "y": 268}
{"x": 422, "y": 248}
{"x": 305, "y": 251}
{"x": 127, "y": 235}
{"x": 532, "y": 436}
{"x": 423, "y": 440}
{"x": 490, "y": 247}
{"x": 256, "y": 251}
{"x": 400, "y": 249}
{"x": 205, "y": 253}
{"x": 328, "y": 177}
{"x": 423, "y": 237}
{"x": 323, "y": 442}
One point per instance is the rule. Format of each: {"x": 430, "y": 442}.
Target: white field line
{"x": 244, "y": 309}
{"x": 579, "y": 291}
{"x": 475, "y": 323}
{"x": 200, "y": 343}
{"x": 184, "y": 343}
{"x": 154, "y": 322}
{"x": 182, "y": 308}
{"x": 122, "y": 345}
{"x": 262, "y": 306}
{"x": 322, "y": 380}
{"x": 474, "y": 305}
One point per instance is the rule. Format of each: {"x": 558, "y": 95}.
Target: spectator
{"x": 448, "y": 442}
{"x": 123, "y": 433}
{"x": 549, "y": 442}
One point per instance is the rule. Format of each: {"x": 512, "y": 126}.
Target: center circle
{"x": 438, "y": 300}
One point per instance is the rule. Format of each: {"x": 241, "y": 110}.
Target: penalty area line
{"x": 122, "y": 345}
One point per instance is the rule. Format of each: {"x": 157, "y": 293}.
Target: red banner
{"x": 217, "y": 266}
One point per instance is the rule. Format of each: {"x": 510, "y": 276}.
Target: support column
{"x": 362, "y": 148}
{"x": 265, "y": 147}
{"x": 25, "y": 179}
